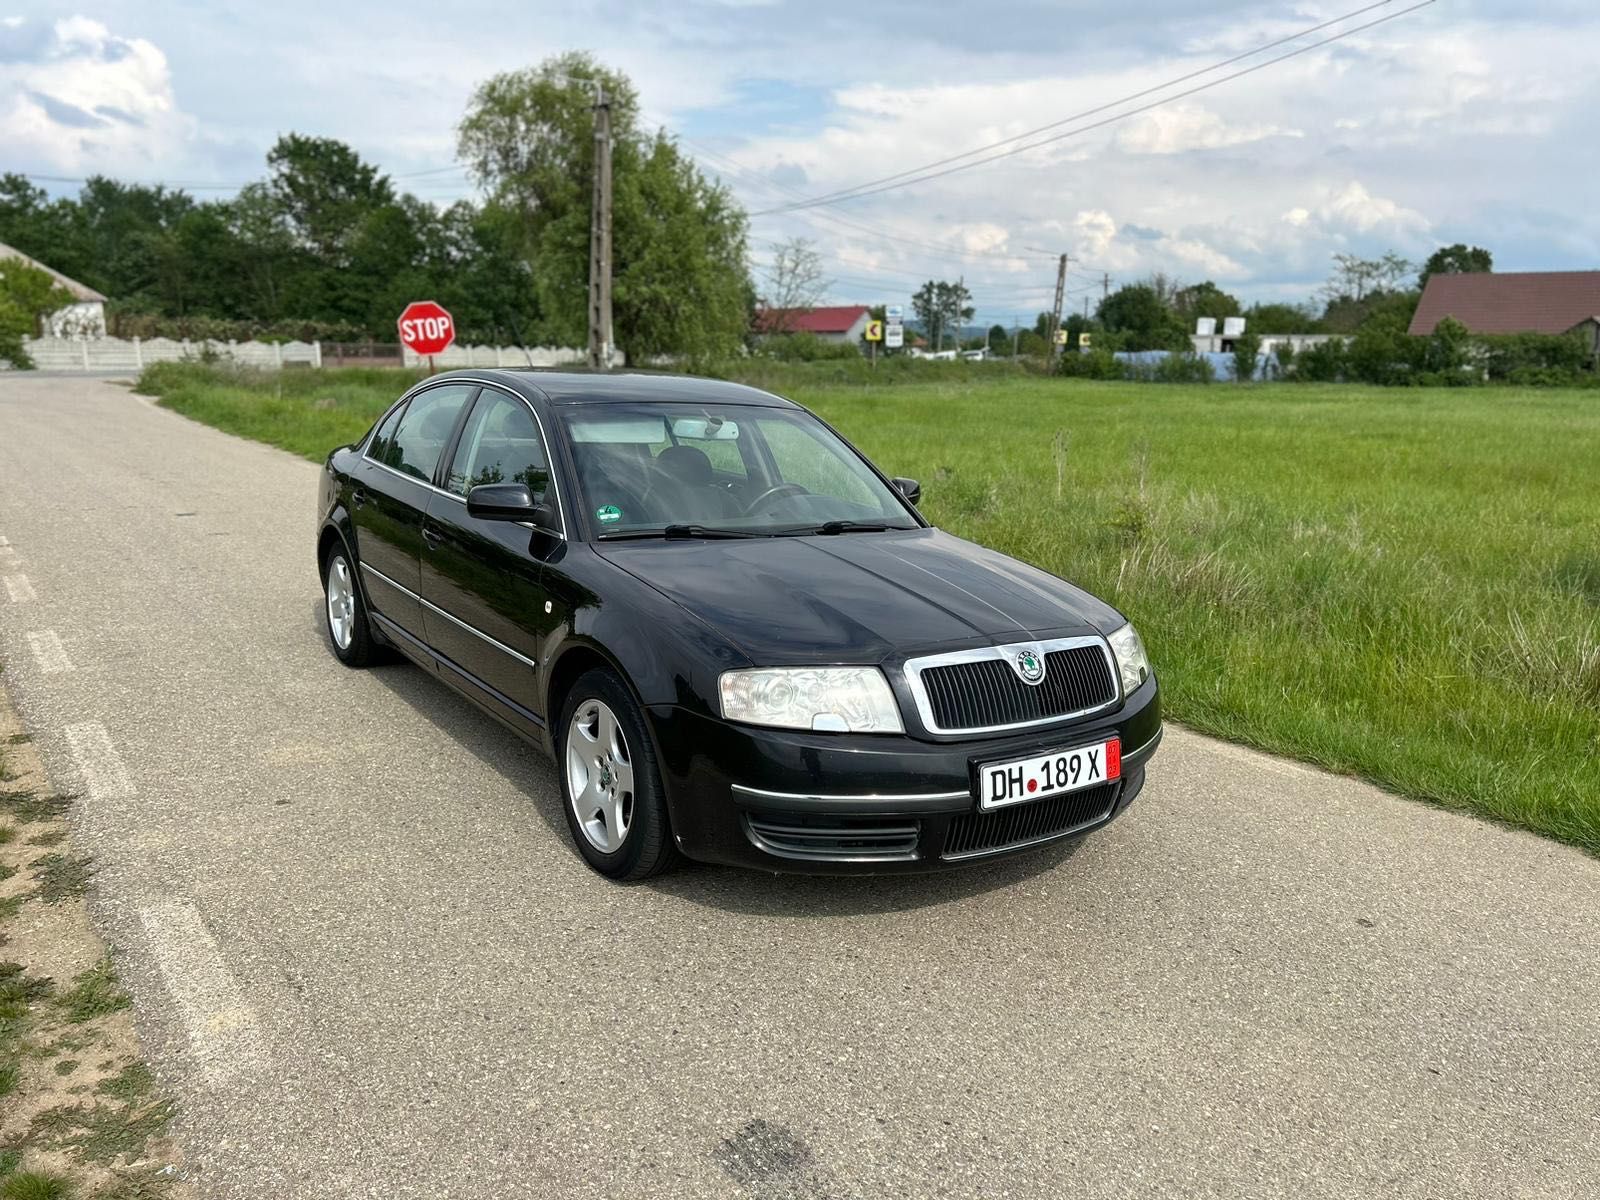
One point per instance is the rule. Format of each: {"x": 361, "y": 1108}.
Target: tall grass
{"x": 1399, "y": 584}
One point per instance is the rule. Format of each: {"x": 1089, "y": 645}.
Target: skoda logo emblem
{"x": 1030, "y": 666}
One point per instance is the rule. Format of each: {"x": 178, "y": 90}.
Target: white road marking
{"x": 19, "y": 589}
{"x": 48, "y": 652}
{"x": 104, "y": 776}
{"x": 223, "y": 1034}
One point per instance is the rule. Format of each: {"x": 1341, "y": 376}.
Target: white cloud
{"x": 1190, "y": 127}
{"x": 86, "y": 99}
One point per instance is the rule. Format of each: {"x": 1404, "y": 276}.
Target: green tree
{"x": 26, "y": 295}
{"x": 1137, "y": 313}
{"x": 1246, "y": 348}
{"x": 326, "y": 192}
{"x": 1459, "y": 259}
{"x": 1280, "y": 318}
{"x": 678, "y": 241}
{"x": 1204, "y": 300}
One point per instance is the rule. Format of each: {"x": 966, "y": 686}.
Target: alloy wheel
{"x": 341, "y": 602}
{"x": 600, "y": 776}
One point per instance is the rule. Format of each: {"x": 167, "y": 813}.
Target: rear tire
{"x": 345, "y": 611}
{"x": 610, "y": 781}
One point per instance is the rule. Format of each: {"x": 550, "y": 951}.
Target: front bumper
{"x": 790, "y": 800}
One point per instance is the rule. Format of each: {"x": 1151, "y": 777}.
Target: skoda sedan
{"x": 738, "y": 639}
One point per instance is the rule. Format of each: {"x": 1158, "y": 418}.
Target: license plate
{"x": 1049, "y": 774}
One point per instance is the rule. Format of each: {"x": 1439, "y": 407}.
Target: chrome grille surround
{"x": 1006, "y": 655}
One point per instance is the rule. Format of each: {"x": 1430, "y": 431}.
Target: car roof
{"x": 613, "y": 387}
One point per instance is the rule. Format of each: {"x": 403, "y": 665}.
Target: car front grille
{"x": 984, "y": 693}
{"x": 977, "y": 833}
{"x": 822, "y": 837}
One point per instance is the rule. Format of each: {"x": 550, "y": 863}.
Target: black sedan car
{"x": 739, "y": 641}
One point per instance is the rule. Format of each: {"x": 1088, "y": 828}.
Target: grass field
{"x": 1401, "y": 584}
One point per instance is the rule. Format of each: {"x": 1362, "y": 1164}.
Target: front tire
{"x": 610, "y": 782}
{"x": 346, "y": 613}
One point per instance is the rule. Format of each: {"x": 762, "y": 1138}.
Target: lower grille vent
{"x": 975, "y": 833}
{"x": 821, "y": 837}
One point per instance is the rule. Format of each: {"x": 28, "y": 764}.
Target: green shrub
{"x": 1246, "y": 349}
{"x": 1321, "y": 362}
{"x": 1096, "y": 363}
{"x": 1537, "y": 359}
{"x": 805, "y": 347}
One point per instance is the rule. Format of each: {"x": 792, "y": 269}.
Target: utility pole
{"x": 600, "y": 347}
{"x": 1055, "y": 313}
{"x": 1105, "y": 286}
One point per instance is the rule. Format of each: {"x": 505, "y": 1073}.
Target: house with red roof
{"x": 844, "y": 323}
{"x": 1514, "y": 302}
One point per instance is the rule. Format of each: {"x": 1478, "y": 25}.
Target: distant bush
{"x": 1184, "y": 367}
{"x": 1321, "y": 362}
{"x": 805, "y": 347}
{"x": 1246, "y": 348}
{"x": 1537, "y": 359}
{"x": 1098, "y": 363}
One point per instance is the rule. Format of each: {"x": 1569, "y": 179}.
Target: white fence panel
{"x": 132, "y": 354}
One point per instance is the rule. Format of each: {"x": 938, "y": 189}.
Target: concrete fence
{"x": 134, "y": 354}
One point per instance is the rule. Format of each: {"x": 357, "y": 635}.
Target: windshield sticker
{"x": 609, "y": 514}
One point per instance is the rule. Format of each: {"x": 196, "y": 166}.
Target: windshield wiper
{"x": 704, "y": 531}
{"x": 833, "y": 527}
{"x": 677, "y": 532}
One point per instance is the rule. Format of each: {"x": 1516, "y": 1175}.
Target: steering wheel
{"x": 782, "y": 489}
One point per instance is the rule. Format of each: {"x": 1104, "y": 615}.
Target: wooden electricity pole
{"x": 1055, "y": 313}
{"x": 600, "y": 238}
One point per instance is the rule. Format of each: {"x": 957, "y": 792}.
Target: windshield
{"x": 643, "y": 468}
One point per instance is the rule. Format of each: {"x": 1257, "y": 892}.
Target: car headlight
{"x": 838, "y": 699}
{"x": 1130, "y": 656}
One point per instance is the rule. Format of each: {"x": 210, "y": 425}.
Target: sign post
{"x": 874, "y": 335}
{"x": 426, "y": 329}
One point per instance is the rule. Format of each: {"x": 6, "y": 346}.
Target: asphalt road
{"x": 368, "y": 962}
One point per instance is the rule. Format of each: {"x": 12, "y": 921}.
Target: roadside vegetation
{"x": 1400, "y": 585}
{"x": 81, "y": 1117}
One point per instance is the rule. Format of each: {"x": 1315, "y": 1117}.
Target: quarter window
{"x": 424, "y": 429}
{"x": 500, "y": 444}
{"x": 382, "y": 440}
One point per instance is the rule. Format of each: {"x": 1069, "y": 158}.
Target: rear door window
{"x": 424, "y": 430}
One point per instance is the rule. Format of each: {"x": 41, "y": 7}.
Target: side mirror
{"x": 501, "y": 502}
{"x": 909, "y": 488}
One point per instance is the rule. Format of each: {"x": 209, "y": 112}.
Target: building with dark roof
{"x": 1514, "y": 302}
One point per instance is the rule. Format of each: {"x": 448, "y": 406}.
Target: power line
{"x": 859, "y": 223}
{"x": 926, "y": 172}
{"x": 1089, "y": 112}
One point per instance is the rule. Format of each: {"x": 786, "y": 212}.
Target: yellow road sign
{"x": 1061, "y": 337}
{"x": 874, "y": 331}
{"x": 1083, "y": 341}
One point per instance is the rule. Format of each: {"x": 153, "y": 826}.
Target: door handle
{"x": 359, "y": 497}
{"x": 431, "y": 535}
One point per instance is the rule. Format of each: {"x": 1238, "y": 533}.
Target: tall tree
{"x": 680, "y": 284}
{"x": 326, "y": 192}
{"x": 795, "y": 283}
{"x": 1459, "y": 259}
{"x": 1204, "y": 300}
{"x": 1136, "y": 313}
{"x": 1358, "y": 277}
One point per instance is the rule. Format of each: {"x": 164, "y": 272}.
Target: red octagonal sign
{"x": 425, "y": 328}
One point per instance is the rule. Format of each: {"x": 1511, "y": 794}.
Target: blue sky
{"x": 1468, "y": 120}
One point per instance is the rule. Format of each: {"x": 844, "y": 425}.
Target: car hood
{"x": 860, "y": 597}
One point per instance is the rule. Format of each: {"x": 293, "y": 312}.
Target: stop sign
{"x": 426, "y": 328}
